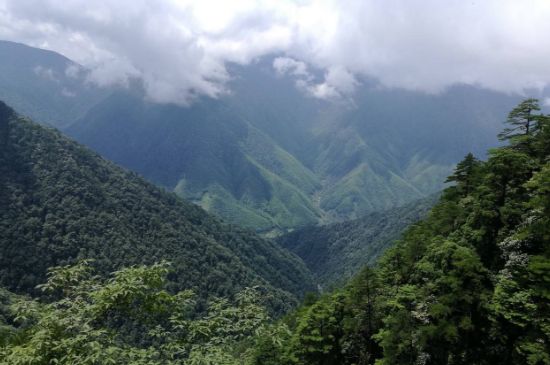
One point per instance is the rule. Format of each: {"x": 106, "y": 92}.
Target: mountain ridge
{"x": 266, "y": 149}
{"x": 61, "y": 203}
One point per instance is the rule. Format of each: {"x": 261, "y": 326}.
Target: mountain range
{"x": 265, "y": 156}
{"x": 61, "y": 203}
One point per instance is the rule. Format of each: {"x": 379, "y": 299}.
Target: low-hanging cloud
{"x": 180, "y": 48}
{"x": 338, "y": 82}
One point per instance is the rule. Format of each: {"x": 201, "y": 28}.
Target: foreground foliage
{"x": 129, "y": 319}
{"x": 470, "y": 284}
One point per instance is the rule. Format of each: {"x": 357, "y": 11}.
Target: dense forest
{"x": 128, "y": 318}
{"x": 260, "y": 182}
{"x": 60, "y": 203}
{"x": 469, "y": 284}
{"x": 336, "y": 252}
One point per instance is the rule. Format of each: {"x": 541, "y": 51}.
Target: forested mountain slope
{"x": 266, "y": 155}
{"x": 290, "y": 161}
{"x": 59, "y": 202}
{"x": 396, "y": 146}
{"x": 467, "y": 285}
{"x": 206, "y": 153}
{"x": 44, "y": 85}
{"x": 336, "y": 252}
{"x": 383, "y": 148}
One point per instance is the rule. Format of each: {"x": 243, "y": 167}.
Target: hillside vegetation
{"x": 206, "y": 153}
{"x": 467, "y": 285}
{"x": 127, "y": 318}
{"x": 265, "y": 156}
{"x": 336, "y": 252}
{"x": 60, "y": 202}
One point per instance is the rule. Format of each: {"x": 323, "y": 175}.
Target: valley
{"x": 274, "y": 183}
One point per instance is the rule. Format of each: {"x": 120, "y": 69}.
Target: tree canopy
{"x": 129, "y": 318}
{"x": 469, "y": 284}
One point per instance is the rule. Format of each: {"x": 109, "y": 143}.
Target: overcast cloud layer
{"x": 180, "y": 49}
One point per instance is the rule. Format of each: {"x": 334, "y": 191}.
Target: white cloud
{"x": 338, "y": 82}
{"x": 45, "y": 73}
{"x": 341, "y": 79}
{"x": 321, "y": 91}
{"x": 286, "y": 65}
{"x": 73, "y": 71}
{"x": 180, "y": 48}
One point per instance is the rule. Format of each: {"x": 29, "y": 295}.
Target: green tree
{"x": 318, "y": 333}
{"x": 89, "y": 320}
{"x": 438, "y": 317}
{"x": 365, "y": 320}
{"x": 521, "y": 300}
{"x": 466, "y": 174}
{"x": 522, "y": 122}
{"x": 542, "y": 139}
{"x": 498, "y": 203}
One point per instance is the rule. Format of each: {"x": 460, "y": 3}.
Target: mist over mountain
{"x": 268, "y": 156}
{"x": 45, "y": 85}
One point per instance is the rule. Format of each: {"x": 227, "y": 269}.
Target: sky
{"x": 181, "y": 49}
